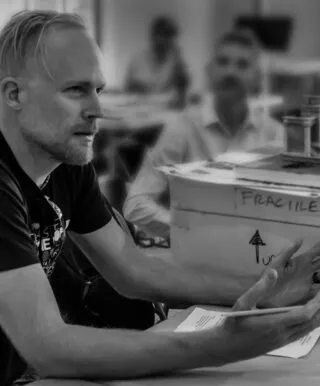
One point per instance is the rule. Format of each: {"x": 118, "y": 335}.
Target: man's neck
{"x": 33, "y": 161}
{"x": 159, "y": 57}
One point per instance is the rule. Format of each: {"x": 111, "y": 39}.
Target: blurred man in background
{"x": 161, "y": 68}
{"x": 226, "y": 121}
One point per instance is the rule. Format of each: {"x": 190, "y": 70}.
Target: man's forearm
{"x": 168, "y": 280}
{"x": 85, "y": 352}
{"x": 165, "y": 278}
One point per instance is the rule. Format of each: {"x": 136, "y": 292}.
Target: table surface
{"x": 265, "y": 370}
{"x": 134, "y": 116}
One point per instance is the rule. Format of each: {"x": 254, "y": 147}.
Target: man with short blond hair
{"x": 50, "y": 83}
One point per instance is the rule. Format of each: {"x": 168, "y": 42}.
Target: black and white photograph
{"x": 159, "y": 192}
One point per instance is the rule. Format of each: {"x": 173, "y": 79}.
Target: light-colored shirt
{"x": 157, "y": 78}
{"x": 193, "y": 135}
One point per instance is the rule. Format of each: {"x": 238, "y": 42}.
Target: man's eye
{"x": 75, "y": 90}
{"x": 99, "y": 90}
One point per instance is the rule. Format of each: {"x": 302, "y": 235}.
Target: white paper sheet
{"x": 201, "y": 319}
{"x": 299, "y": 348}
{"x": 239, "y": 158}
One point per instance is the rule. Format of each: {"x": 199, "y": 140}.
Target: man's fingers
{"x": 315, "y": 289}
{"x": 315, "y": 262}
{"x": 316, "y": 278}
{"x": 252, "y": 297}
{"x": 313, "y": 304}
{"x": 302, "y": 330}
{"x": 314, "y": 251}
{"x": 284, "y": 256}
{"x": 303, "y": 315}
{"x": 312, "y": 255}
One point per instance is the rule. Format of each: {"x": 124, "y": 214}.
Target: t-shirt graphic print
{"x": 49, "y": 240}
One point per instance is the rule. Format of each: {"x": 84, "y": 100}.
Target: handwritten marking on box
{"x": 254, "y": 198}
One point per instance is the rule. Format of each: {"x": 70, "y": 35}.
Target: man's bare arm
{"x": 167, "y": 279}
{"x": 30, "y": 317}
{"x": 114, "y": 254}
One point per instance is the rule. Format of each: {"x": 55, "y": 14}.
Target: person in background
{"x": 161, "y": 68}
{"x": 225, "y": 121}
{"x": 49, "y": 108}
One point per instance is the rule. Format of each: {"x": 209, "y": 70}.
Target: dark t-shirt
{"x": 33, "y": 227}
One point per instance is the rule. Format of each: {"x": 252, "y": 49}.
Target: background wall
{"x": 306, "y": 36}
{"x": 125, "y": 32}
{"x": 227, "y": 10}
{"x": 124, "y": 26}
{"x": 85, "y": 8}
{"x": 8, "y": 8}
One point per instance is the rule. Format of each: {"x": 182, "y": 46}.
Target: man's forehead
{"x": 236, "y": 49}
{"x": 72, "y": 55}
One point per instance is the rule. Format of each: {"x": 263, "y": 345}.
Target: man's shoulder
{"x": 175, "y": 139}
{"x": 265, "y": 120}
{"x": 181, "y": 123}
{"x": 273, "y": 122}
{"x": 8, "y": 182}
{"x": 271, "y": 126}
{"x": 176, "y": 131}
{"x": 271, "y": 129}
{"x": 12, "y": 200}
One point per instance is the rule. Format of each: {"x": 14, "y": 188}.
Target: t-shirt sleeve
{"x": 17, "y": 249}
{"x": 89, "y": 212}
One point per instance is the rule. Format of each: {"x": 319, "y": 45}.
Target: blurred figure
{"x": 161, "y": 68}
{"x": 236, "y": 61}
{"x": 225, "y": 122}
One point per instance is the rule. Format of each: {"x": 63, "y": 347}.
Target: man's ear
{"x": 12, "y": 92}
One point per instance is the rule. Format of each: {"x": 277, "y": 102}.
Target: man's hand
{"x": 295, "y": 276}
{"x": 251, "y": 336}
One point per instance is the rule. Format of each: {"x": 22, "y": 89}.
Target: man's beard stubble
{"x": 231, "y": 102}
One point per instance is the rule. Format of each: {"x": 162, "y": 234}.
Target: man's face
{"x": 234, "y": 71}
{"x": 58, "y": 115}
{"x": 162, "y": 44}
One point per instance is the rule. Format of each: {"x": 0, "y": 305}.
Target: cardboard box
{"x": 235, "y": 228}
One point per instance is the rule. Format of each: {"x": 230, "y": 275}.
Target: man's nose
{"x": 231, "y": 70}
{"x": 93, "y": 109}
